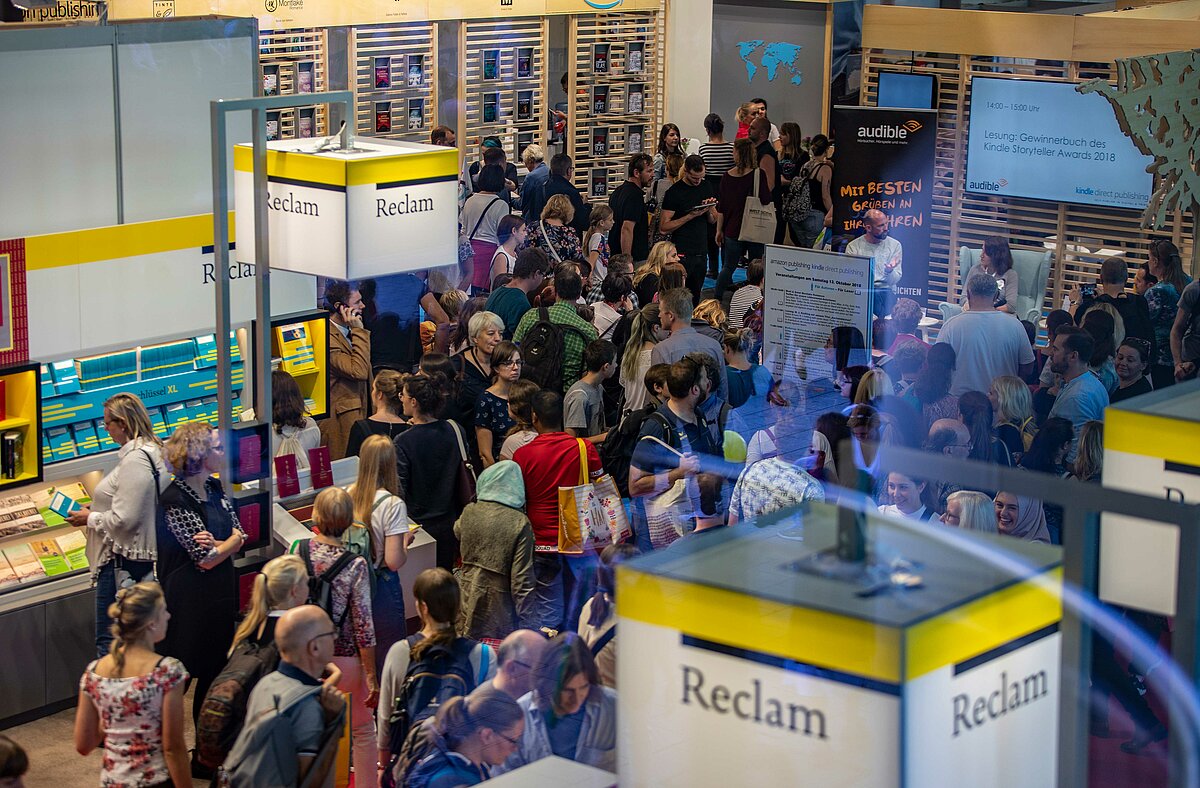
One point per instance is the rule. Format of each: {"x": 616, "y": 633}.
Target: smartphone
{"x": 1087, "y": 291}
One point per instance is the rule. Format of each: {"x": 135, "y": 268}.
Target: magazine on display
{"x": 635, "y": 105}
{"x": 491, "y": 64}
{"x": 599, "y": 99}
{"x": 491, "y": 104}
{"x": 416, "y": 71}
{"x": 307, "y": 123}
{"x": 524, "y": 62}
{"x": 305, "y": 76}
{"x": 524, "y": 105}
{"x": 600, "y": 58}
{"x": 383, "y": 72}
{"x": 416, "y": 114}
{"x": 600, "y": 142}
{"x": 24, "y": 562}
{"x": 633, "y": 140}
{"x": 18, "y": 515}
{"x": 634, "y": 58}
{"x": 272, "y": 126}
{"x": 270, "y": 80}
{"x": 383, "y": 117}
{"x": 599, "y": 183}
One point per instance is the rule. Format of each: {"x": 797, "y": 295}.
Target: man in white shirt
{"x": 886, "y": 254}
{"x": 987, "y": 343}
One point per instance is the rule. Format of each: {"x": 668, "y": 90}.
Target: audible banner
{"x": 884, "y": 160}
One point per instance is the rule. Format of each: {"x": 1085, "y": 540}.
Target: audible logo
{"x": 987, "y": 186}
{"x": 889, "y": 132}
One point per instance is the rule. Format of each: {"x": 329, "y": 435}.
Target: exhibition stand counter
{"x": 936, "y": 658}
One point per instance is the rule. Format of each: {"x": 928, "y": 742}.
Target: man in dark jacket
{"x": 1132, "y": 307}
{"x": 562, "y": 169}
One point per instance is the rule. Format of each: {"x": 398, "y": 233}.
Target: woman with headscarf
{"x": 496, "y": 542}
{"x": 1021, "y": 517}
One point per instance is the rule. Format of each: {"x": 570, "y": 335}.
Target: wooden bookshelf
{"x": 23, "y": 412}
{"x": 407, "y": 53}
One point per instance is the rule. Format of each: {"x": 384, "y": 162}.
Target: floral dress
{"x": 558, "y": 242}
{"x": 131, "y": 712}
{"x": 352, "y": 588}
{"x": 491, "y": 413}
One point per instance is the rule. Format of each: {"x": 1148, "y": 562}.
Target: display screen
{"x": 907, "y": 91}
{"x": 1044, "y": 141}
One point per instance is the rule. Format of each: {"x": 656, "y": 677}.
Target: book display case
{"x": 617, "y": 87}
{"x": 293, "y": 62}
{"x": 300, "y": 347}
{"x": 20, "y": 422}
{"x": 503, "y": 88}
{"x": 393, "y": 72}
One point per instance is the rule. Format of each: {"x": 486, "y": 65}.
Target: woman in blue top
{"x": 471, "y": 734}
{"x": 1166, "y": 279}
{"x": 749, "y": 383}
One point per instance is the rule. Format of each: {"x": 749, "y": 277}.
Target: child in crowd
{"x": 583, "y": 407}
{"x": 520, "y": 408}
{"x": 595, "y": 244}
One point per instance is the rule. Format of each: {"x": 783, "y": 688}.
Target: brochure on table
{"x": 36, "y": 542}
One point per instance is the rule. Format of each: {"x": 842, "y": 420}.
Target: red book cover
{"x": 287, "y": 475}
{"x": 3, "y": 400}
{"x": 249, "y": 454}
{"x": 250, "y": 519}
{"x": 320, "y": 467}
{"x": 245, "y": 589}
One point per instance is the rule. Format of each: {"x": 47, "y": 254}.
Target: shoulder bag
{"x": 758, "y": 220}
{"x": 464, "y": 483}
{"x": 590, "y": 514}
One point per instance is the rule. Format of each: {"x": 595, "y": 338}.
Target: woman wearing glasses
{"x": 471, "y": 734}
{"x": 492, "y": 420}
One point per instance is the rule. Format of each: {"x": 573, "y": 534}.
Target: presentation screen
{"x": 906, "y": 91}
{"x": 1044, "y": 141}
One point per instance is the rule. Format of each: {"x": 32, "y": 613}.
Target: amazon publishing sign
{"x": 385, "y": 208}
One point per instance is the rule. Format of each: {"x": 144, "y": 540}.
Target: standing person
{"x": 1106, "y": 335}
{"x": 496, "y": 539}
{"x": 654, "y": 197}
{"x": 1013, "y": 406}
{"x": 987, "y": 343}
{"x": 480, "y": 220}
{"x": 616, "y": 290}
{"x": 294, "y": 431}
{"x": 792, "y": 159}
{"x": 122, "y": 539}
{"x": 746, "y": 296}
{"x": 562, "y": 171}
{"x": 396, "y": 326}
{"x": 764, "y": 149}
{"x": 471, "y": 734}
{"x": 388, "y": 416}
{"x": 428, "y": 459}
{"x": 689, "y": 206}
{"x": 1165, "y": 266}
{"x": 1132, "y": 308}
{"x": 1185, "y": 333}
{"x": 771, "y": 484}
{"x": 754, "y": 381}
{"x": 996, "y": 261}
{"x": 668, "y": 145}
{"x": 492, "y": 420}
{"x": 645, "y": 333}
{"x": 930, "y": 393}
{"x": 887, "y": 255}
{"x": 816, "y": 176}
{"x": 520, "y": 409}
{"x": 1082, "y": 397}
{"x": 736, "y": 185}
{"x": 569, "y": 713}
{"x": 550, "y": 461}
{"x": 511, "y": 234}
{"x": 975, "y": 412}
{"x": 649, "y": 274}
{"x": 576, "y": 332}
{"x": 584, "y": 404}
{"x": 354, "y": 626}
{"x": 554, "y": 233}
{"x": 349, "y": 366}
{"x": 532, "y": 188}
{"x": 598, "y": 619}
{"x": 199, "y": 539}
{"x": 631, "y": 229}
{"x": 511, "y": 302}
{"x": 1131, "y": 366}
{"x": 131, "y": 700}
{"x": 595, "y": 244}
{"x": 675, "y": 315}
{"x": 379, "y": 509}
{"x": 473, "y": 366}
{"x": 718, "y": 158}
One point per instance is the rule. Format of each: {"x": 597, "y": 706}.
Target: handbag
{"x": 672, "y": 512}
{"x": 464, "y": 482}
{"x": 590, "y": 514}
{"x": 758, "y": 220}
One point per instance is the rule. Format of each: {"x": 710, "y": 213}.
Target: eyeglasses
{"x": 330, "y": 634}
{"x": 515, "y": 362}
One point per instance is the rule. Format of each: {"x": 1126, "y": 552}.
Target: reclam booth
{"x": 772, "y": 654}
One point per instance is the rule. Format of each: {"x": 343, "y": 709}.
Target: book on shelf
{"x": 8, "y": 577}
{"x": 53, "y": 561}
{"x": 73, "y": 545}
{"x": 12, "y": 453}
{"x": 24, "y": 562}
{"x": 19, "y": 514}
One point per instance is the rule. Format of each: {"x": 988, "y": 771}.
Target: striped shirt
{"x": 718, "y": 158}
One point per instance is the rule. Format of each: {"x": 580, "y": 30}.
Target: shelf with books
{"x": 393, "y": 70}
{"x": 300, "y": 347}
{"x": 176, "y": 380}
{"x": 20, "y": 417}
{"x": 37, "y": 544}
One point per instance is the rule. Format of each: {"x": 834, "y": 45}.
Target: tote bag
{"x": 758, "y": 220}
{"x": 590, "y": 514}
{"x": 672, "y": 512}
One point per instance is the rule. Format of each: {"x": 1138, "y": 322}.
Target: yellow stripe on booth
{"x": 119, "y": 241}
{"x": 1149, "y": 435}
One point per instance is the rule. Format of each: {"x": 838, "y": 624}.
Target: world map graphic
{"x": 773, "y": 55}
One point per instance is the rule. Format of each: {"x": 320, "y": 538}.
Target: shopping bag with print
{"x": 671, "y": 513}
{"x": 611, "y": 509}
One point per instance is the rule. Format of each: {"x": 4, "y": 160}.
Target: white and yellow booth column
{"x": 735, "y": 668}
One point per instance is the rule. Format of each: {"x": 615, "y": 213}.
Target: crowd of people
{"x": 573, "y": 343}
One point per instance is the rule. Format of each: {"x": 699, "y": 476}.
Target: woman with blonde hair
{"x": 131, "y": 701}
{"x": 1089, "y": 458}
{"x": 387, "y": 419}
{"x": 645, "y": 332}
{"x": 200, "y": 536}
{"x": 122, "y": 539}
{"x": 595, "y": 243}
{"x": 354, "y": 626}
{"x": 473, "y": 365}
{"x": 709, "y": 310}
{"x": 970, "y": 511}
{"x": 553, "y": 232}
{"x": 874, "y": 384}
{"x": 382, "y": 513}
{"x": 645, "y": 279}
{"x": 1013, "y": 406}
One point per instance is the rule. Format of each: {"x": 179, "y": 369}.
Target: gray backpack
{"x": 265, "y": 752}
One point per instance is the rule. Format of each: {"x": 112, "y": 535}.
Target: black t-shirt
{"x": 1137, "y": 389}
{"x": 692, "y": 238}
{"x": 765, "y": 148}
{"x": 628, "y": 203}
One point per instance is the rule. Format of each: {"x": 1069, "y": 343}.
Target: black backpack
{"x": 617, "y": 450}
{"x": 223, "y": 712}
{"x": 543, "y": 350}
{"x": 442, "y": 672}
{"x": 320, "y": 587}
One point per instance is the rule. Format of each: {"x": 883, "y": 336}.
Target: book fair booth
{"x": 772, "y": 655}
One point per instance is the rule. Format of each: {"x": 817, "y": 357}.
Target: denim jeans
{"x": 106, "y": 594}
{"x": 387, "y": 613}
{"x": 694, "y": 265}
{"x": 884, "y": 298}
{"x": 806, "y": 230}
{"x": 731, "y": 255}
{"x": 548, "y": 590}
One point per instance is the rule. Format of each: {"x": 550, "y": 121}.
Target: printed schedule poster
{"x": 1046, "y": 141}
{"x": 806, "y": 293}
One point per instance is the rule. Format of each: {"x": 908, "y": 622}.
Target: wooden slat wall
{"x": 1077, "y": 232}
{"x": 400, "y": 42}
{"x": 284, "y": 49}
{"x": 618, "y": 31}
{"x": 508, "y": 36}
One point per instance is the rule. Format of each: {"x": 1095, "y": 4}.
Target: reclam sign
{"x": 348, "y": 215}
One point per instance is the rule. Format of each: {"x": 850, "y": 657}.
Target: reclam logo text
{"x": 402, "y": 206}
